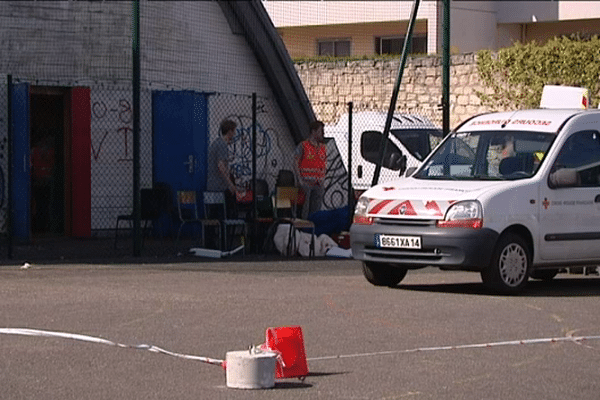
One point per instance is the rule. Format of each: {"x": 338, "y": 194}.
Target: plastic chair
{"x": 284, "y": 209}
{"x": 187, "y": 209}
{"x": 150, "y": 210}
{"x": 214, "y": 204}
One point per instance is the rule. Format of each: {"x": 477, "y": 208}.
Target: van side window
{"x": 580, "y": 155}
{"x": 418, "y": 142}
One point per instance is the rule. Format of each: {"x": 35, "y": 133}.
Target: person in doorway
{"x": 219, "y": 176}
{"x": 311, "y": 166}
{"x": 42, "y": 171}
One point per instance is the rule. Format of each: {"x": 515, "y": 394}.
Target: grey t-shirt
{"x": 217, "y": 151}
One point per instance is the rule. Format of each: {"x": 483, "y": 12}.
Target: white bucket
{"x": 250, "y": 369}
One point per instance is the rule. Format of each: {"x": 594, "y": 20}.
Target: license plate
{"x": 398, "y": 242}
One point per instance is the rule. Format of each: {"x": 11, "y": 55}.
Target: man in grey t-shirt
{"x": 219, "y": 178}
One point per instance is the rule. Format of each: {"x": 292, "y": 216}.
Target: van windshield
{"x": 487, "y": 155}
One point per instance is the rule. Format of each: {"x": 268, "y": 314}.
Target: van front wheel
{"x": 380, "y": 274}
{"x": 509, "y": 269}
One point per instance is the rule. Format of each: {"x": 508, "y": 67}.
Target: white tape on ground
{"x": 464, "y": 346}
{"x": 85, "y": 338}
{"x": 155, "y": 349}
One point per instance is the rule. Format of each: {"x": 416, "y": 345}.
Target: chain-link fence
{"x": 71, "y": 171}
{"x": 174, "y": 154}
{"x": 413, "y": 134}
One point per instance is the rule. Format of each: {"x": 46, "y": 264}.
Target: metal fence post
{"x": 9, "y": 167}
{"x": 390, "y": 115}
{"x": 137, "y": 242}
{"x": 254, "y": 204}
{"x": 350, "y": 190}
{"x": 446, "y": 71}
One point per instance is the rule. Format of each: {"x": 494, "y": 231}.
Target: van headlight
{"x": 360, "y": 212}
{"x": 464, "y": 214}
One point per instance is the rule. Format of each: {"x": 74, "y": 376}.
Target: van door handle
{"x": 597, "y": 199}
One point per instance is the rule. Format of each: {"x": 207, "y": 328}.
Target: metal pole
{"x": 254, "y": 204}
{"x": 390, "y": 115}
{"x": 350, "y": 191}
{"x": 446, "y": 70}
{"x": 9, "y": 168}
{"x": 137, "y": 242}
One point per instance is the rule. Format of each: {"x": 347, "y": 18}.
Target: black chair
{"x": 189, "y": 213}
{"x": 215, "y": 209}
{"x": 285, "y": 177}
{"x": 264, "y": 204}
{"x": 151, "y": 203}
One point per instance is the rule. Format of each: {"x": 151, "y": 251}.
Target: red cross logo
{"x": 546, "y": 203}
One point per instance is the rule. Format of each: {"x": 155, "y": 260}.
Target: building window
{"x": 334, "y": 47}
{"x": 394, "y": 45}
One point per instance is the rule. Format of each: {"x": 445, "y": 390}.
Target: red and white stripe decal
{"x": 409, "y": 207}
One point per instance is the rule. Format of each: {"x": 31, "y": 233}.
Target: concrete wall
{"x": 369, "y": 85}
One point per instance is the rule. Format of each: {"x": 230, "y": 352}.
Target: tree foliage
{"x": 514, "y": 77}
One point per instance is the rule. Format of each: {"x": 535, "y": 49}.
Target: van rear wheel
{"x": 381, "y": 274}
{"x": 509, "y": 269}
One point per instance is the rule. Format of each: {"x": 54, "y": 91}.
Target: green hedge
{"x": 516, "y": 75}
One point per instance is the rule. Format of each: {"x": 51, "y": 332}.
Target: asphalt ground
{"x": 438, "y": 335}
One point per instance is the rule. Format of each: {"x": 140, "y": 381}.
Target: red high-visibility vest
{"x": 313, "y": 163}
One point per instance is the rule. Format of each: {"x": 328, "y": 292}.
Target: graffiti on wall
{"x": 336, "y": 179}
{"x": 273, "y": 155}
{"x": 116, "y": 119}
{"x": 112, "y": 152}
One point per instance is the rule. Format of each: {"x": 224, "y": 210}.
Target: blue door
{"x": 180, "y": 143}
{"x": 21, "y": 181}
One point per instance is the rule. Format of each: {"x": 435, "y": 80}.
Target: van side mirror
{"x": 564, "y": 177}
{"x": 396, "y": 161}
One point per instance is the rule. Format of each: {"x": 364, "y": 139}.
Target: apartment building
{"x": 366, "y": 28}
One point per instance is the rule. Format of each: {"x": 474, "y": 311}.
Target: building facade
{"x": 70, "y": 68}
{"x": 367, "y": 28}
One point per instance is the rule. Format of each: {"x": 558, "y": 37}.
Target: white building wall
{"x": 302, "y": 13}
{"x": 475, "y": 25}
{"x": 526, "y": 11}
{"x": 578, "y": 10}
{"x": 472, "y": 26}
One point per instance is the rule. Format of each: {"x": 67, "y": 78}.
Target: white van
{"x": 511, "y": 195}
{"x": 411, "y": 139}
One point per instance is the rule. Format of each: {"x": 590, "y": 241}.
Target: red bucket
{"x": 288, "y": 343}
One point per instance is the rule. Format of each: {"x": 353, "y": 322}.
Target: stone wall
{"x": 369, "y": 85}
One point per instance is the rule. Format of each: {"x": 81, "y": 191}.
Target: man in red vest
{"x": 311, "y": 166}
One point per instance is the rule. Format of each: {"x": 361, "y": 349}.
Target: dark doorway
{"x": 47, "y": 144}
